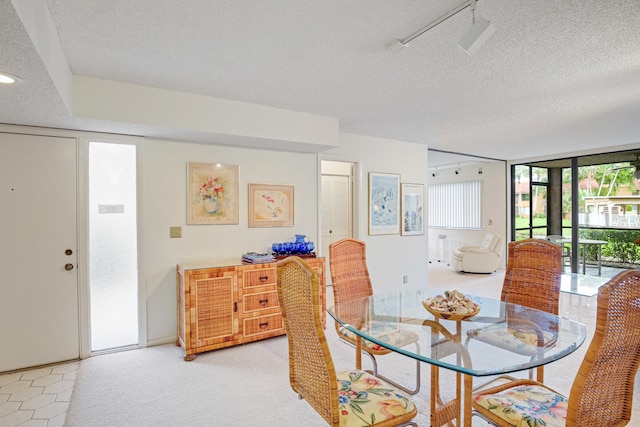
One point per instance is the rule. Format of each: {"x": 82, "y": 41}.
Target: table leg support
{"x": 468, "y": 396}
{"x": 443, "y": 413}
{"x": 358, "y": 353}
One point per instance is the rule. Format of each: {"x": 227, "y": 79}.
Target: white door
{"x": 336, "y": 210}
{"x": 39, "y": 282}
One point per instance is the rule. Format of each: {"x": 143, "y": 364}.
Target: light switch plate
{"x": 175, "y": 232}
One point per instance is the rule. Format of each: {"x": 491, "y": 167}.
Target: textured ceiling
{"x": 555, "y": 77}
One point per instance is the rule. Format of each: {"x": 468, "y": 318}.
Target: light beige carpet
{"x": 249, "y": 385}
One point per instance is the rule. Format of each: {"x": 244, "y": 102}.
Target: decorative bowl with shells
{"x": 453, "y": 305}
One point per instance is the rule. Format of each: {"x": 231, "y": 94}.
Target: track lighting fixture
{"x": 471, "y": 41}
{"x": 457, "y": 171}
{"x": 435, "y": 172}
{"x": 479, "y": 171}
{"x": 480, "y": 31}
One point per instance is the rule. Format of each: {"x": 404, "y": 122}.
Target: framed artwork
{"x": 270, "y": 205}
{"x": 384, "y": 203}
{"x": 412, "y": 196}
{"x": 212, "y": 194}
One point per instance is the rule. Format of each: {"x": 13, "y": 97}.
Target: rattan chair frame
{"x": 532, "y": 279}
{"x": 350, "y": 280}
{"x": 566, "y": 250}
{"x": 602, "y": 392}
{"x": 312, "y": 372}
{"x": 533, "y": 274}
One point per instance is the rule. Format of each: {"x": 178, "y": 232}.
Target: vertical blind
{"x": 456, "y": 205}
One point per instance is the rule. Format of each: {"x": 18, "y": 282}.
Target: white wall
{"x": 390, "y": 257}
{"x": 165, "y": 190}
{"x": 494, "y": 203}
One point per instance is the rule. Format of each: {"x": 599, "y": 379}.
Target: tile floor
{"x": 37, "y": 398}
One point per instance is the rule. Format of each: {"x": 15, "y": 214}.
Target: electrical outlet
{"x": 175, "y": 232}
{"x": 490, "y": 222}
{"x": 405, "y": 279}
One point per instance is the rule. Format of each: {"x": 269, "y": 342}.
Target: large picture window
{"x": 456, "y": 205}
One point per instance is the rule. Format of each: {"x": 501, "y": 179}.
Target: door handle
{"x": 68, "y": 267}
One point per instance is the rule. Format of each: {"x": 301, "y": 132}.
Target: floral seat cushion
{"x": 383, "y": 332}
{"x": 364, "y": 400}
{"x": 526, "y": 406}
{"x": 522, "y": 340}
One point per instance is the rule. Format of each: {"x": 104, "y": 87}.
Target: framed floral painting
{"x": 384, "y": 203}
{"x": 212, "y": 194}
{"x": 270, "y": 205}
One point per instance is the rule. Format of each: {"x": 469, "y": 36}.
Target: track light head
{"x": 480, "y": 31}
{"x": 457, "y": 171}
{"x": 479, "y": 171}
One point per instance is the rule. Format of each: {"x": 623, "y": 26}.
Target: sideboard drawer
{"x": 259, "y": 277}
{"x": 262, "y": 325}
{"x": 260, "y": 301}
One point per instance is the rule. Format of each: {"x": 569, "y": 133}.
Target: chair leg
{"x": 390, "y": 381}
{"x": 403, "y": 388}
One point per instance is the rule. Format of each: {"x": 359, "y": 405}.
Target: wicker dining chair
{"x": 351, "y": 398}
{"x": 566, "y": 250}
{"x": 350, "y": 280}
{"x": 602, "y": 391}
{"x": 532, "y": 279}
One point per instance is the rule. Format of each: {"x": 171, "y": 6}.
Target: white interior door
{"x": 336, "y": 210}
{"x": 39, "y": 282}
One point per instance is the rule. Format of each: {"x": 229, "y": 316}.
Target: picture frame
{"x": 271, "y": 205}
{"x": 212, "y": 193}
{"x": 412, "y": 196}
{"x": 384, "y": 203}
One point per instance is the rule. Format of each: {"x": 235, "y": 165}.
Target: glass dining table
{"x": 535, "y": 338}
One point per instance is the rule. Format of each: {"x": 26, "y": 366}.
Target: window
{"x": 113, "y": 245}
{"x": 456, "y": 205}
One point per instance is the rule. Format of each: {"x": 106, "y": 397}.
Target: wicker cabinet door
{"x": 213, "y": 310}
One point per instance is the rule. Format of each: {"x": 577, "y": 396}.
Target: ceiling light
{"x": 480, "y": 30}
{"x": 7, "y": 78}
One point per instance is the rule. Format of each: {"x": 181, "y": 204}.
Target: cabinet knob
{"x": 264, "y": 302}
{"x": 264, "y": 278}
{"x": 263, "y": 325}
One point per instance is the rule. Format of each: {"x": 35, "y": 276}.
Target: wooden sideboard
{"x": 226, "y": 304}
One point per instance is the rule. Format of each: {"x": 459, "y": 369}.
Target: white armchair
{"x": 479, "y": 259}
